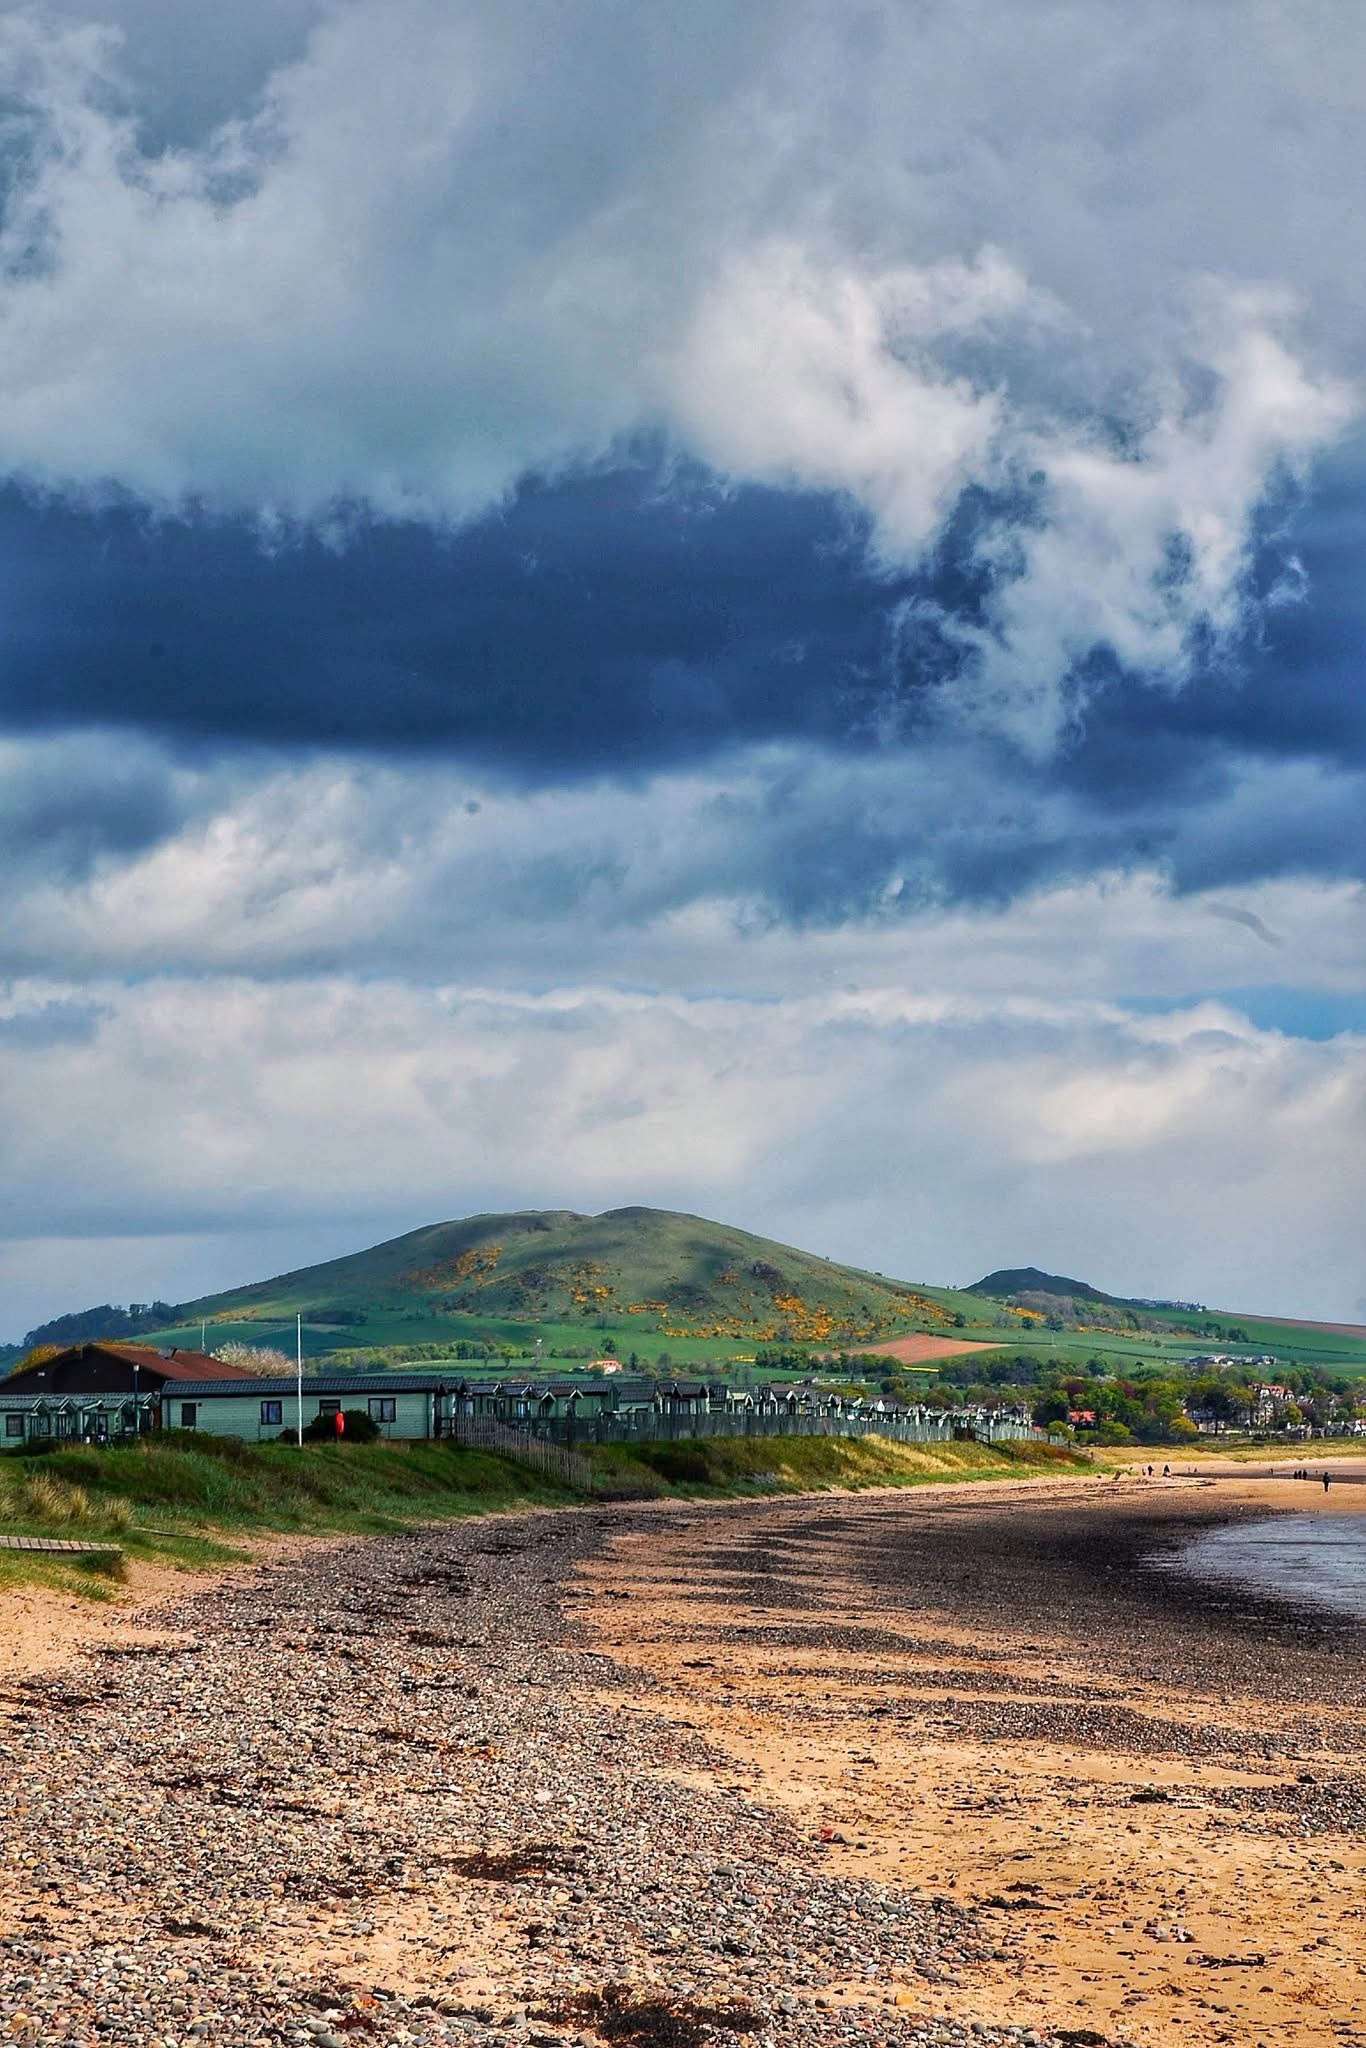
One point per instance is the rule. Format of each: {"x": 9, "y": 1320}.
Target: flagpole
{"x": 299, "y": 1374}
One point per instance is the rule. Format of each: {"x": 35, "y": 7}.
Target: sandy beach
{"x": 1152, "y": 1790}
{"x": 955, "y": 1764}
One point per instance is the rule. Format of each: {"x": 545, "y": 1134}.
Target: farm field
{"x": 1338, "y": 1346}
{"x": 922, "y": 1349}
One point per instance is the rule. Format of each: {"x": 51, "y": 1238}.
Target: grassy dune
{"x": 187, "y": 1501}
{"x": 736, "y": 1466}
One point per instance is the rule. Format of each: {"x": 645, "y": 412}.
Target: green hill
{"x": 647, "y": 1273}
{"x": 1085, "y": 1321}
{"x": 553, "y": 1285}
{"x": 1030, "y": 1280}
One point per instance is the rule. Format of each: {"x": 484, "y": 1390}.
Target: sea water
{"x": 1315, "y": 1559}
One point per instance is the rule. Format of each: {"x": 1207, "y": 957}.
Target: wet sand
{"x": 1152, "y": 1789}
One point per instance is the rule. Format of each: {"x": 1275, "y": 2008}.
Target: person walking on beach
{"x": 1325, "y": 1482}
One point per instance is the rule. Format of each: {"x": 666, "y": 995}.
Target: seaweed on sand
{"x": 620, "y": 2014}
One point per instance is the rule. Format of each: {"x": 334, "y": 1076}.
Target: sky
{"x": 757, "y": 610}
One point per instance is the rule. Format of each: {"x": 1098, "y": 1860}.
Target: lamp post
{"x": 137, "y": 1413}
{"x": 299, "y": 1376}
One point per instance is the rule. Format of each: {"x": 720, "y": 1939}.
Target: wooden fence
{"x": 539, "y": 1454}
{"x": 548, "y": 1446}
{"x": 661, "y": 1426}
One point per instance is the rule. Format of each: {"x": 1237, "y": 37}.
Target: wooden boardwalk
{"x": 54, "y": 1543}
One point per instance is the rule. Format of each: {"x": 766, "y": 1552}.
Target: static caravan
{"x": 400, "y": 1404}
{"x": 27, "y": 1418}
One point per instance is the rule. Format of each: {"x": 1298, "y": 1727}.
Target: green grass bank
{"x": 737, "y": 1467}
{"x": 193, "y": 1500}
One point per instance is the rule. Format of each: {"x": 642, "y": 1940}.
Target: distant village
{"x": 1216, "y": 1406}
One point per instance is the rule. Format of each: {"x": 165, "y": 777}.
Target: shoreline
{"x": 44, "y": 1628}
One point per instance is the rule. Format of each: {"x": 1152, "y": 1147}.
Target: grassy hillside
{"x": 651, "y": 1278}
{"x": 802, "y": 1464}
{"x": 554, "y": 1286}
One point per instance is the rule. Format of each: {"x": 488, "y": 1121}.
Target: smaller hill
{"x": 90, "y": 1325}
{"x": 1030, "y": 1280}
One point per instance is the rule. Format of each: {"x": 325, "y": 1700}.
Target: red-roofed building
{"x": 109, "y": 1368}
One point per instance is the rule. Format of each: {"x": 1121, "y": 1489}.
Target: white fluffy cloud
{"x": 772, "y": 873}
{"x": 890, "y": 253}
{"x": 924, "y": 1133}
{"x": 318, "y": 1007}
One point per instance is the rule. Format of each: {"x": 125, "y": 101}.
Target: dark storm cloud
{"x": 1292, "y": 685}
{"x": 436, "y": 248}
{"x": 627, "y": 620}
{"x": 648, "y": 622}
{"x": 614, "y": 621}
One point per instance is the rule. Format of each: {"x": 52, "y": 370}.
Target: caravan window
{"x": 14, "y": 1425}
{"x": 382, "y": 1408}
{"x": 189, "y": 1414}
{"x": 272, "y": 1411}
